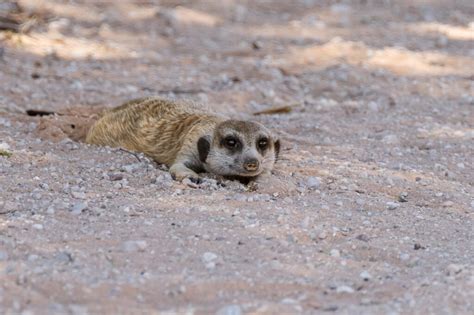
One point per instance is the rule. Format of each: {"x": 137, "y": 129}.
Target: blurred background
{"x": 243, "y": 55}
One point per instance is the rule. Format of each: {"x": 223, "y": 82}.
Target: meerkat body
{"x": 187, "y": 138}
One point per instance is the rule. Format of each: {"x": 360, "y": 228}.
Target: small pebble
{"x": 454, "y": 269}
{"x": 32, "y": 257}
{"x": 208, "y": 257}
{"x": 418, "y": 246}
{"x": 4, "y": 146}
{"x": 134, "y": 246}
{"x": 131, "y": 168}
{"x": 363, "y": 237}
{"x": 448, "y": 204}
{"x": 3, "y": 255}
{"x": 344, "y": 289}
{"x": 335, "y": 253}
{"x": 322, "y": 235}
{"x": 115, "y": 177}
{"x": 365, "y": 275}
{"x": 78, "y": 194}
{"x": 77, "y": 208}
{"x": 229, "y": 310}
{"x": 404, "y": 256}
{"x": 403, "y": 197}
{"x": 392, "y": 205}
{"x": 313, "y": 182}
{"x": 38, "y": 226}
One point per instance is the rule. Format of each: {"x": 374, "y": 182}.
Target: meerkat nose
{"x": 251, "y": 164}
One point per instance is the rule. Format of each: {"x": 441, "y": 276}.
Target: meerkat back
{"x": 147, "y": 125}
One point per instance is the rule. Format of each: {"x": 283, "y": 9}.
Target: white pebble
{"x": 454, "y": 269}
{"x": 38, "y": 226}
{"x": 4, "y": 146}
{"x": 365, "y": 275}
{"x": 78, "y": 194}
{"x": 208, "y": 257}
{"x": 229, "y": 310}
{"x": 404, "y": 256}
{"x": 134, "y": 246}
{"x": 392, "y": 205}
{"x": 344, "y": 289}
{"x": 322, "y": 235}
{"x": 313, "y": 182}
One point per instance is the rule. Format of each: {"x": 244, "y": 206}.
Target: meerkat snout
{"x": 251, "y": 164}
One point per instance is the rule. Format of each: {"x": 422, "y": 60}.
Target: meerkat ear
{"x": 203, "y": 148}
{"x": 277, "y": 148}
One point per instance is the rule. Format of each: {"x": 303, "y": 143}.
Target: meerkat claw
{"x": 195, "y": 180}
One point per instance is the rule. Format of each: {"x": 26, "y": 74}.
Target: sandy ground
{"x": 370, "y": 208}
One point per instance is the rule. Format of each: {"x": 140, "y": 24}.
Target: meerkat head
{"x": 239, "y": 148}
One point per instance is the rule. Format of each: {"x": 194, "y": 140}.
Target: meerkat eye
{"x": 262, "y": 143}
{"x": 230, "y": 142}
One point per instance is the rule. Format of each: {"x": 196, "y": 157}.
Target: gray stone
{"x": 3, "y": 255}
{"x": 229, "y": 310}
{"x": 344, "y": 289}
{"x": 313, "y": 182}
{"x": 208, "y": 257}
{"x": 134, "y": 246}
{"x": 115, "y": 176}
{"x": 392, "y": 205}
{"x": 322, "y": 235}
{"x": 78, "y": 194}
{"x": 454, "y": 269}
{"x": 365, "y": 275}
{"x": 38, "y": 226}
{"x": 77, "y": 208}
{"x": 8, "y": 206}
{"x": 404, "y": 256}
{"x": 131, "y": 168}
{"x": 403, "y": 197}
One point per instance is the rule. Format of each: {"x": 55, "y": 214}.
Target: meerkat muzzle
{"x": 251, "y": 165}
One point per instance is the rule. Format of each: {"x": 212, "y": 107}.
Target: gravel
{"x": 380, "y": 118}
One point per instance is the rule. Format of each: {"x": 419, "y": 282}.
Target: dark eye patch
{"x": 262, "y": 143}
{"x": 232, "y": 143}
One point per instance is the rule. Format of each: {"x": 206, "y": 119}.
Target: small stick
{"x": 276, "y": 110}
{"x": 132, "y": 153}
{"x": 181, "y": 91}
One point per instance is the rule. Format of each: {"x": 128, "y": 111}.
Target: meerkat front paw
{"x": 180, "y": 172}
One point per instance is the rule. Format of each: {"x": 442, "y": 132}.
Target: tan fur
{"x": 167, "y": 131}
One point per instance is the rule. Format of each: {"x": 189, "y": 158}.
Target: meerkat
{"x": 188, "y": 139}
